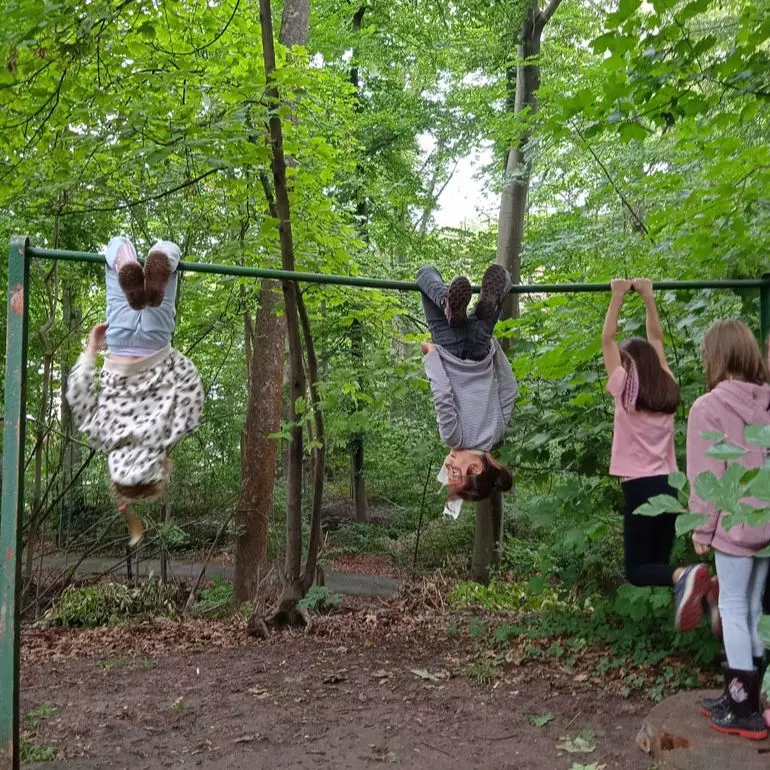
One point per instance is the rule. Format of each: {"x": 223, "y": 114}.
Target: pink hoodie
{"x": 728, "y": 409}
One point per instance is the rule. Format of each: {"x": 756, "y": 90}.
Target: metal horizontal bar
{"x": 382, "y": 283}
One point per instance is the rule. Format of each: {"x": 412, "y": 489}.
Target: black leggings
{"x": 647, "y": 539}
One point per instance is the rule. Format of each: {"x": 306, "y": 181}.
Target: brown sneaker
{"x": 456, "y": 301}
{"x": 492, "y": 293}
{"x": 131, "y": 280}
{"x": 157, "y": 271}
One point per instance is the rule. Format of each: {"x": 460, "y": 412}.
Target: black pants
{"x": 471, "y": 341}
{"x": 647, "y": 539}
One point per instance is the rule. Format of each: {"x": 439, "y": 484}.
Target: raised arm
{"x": 82, "y": 395}
{"x": 506, "y": 383}
{"x": 700, "y": 421}
{"x": 620, "y": 288}
{"x": 654, "y": 330}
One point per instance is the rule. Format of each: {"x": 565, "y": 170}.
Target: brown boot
{"x": 131, "y": 280}
{"x": 157, "y": 271}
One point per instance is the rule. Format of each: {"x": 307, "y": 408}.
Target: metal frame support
{"x": 19, "y": 256}
{"x": 13, "y": 500}
{"x": 764, "y": 311}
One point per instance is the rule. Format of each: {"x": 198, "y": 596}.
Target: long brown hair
{"x": 658, "y": 391}
{"x": 494, "y": 477}
{"x": 154, "y": 490}
{"x": 731, "y": 352}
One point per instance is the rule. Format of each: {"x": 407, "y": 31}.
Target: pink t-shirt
{"x": 642, "y": 442}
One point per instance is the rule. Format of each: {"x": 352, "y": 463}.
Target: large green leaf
{"x": 659, "y": 504}
{"x": 759, "y": 435}
{"x": 687, "y": 522}
{"x": 726, "y": 451}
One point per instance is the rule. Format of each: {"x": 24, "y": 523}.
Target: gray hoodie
{"x": 728, "y": 409}
{"x": 473, "y": 399}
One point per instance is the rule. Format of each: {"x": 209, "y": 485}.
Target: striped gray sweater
{"x": 473, "y": 399}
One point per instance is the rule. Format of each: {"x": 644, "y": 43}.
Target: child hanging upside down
{"x": 471, "y": 378}
{"x": 150, "y": 396}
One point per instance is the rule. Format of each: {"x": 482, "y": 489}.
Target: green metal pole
{"x": 13, "y": 499}
{"x": 764, "y": 311}
{"x": 387, "y": 283}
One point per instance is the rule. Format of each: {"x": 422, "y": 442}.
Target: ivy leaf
{"x": 725, "y": 451}
{"x": 712, "y": 435}
{"x": 687, "y": 522}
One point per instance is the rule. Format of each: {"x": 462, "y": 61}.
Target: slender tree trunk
{"x": 264, "y": 355}
{"x": 265, "y": 364}
{"x": 291, "y": 578}
{"x": 356, "y": 443}
{"x": 510, "y": 233}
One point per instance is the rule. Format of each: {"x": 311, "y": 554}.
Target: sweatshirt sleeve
{"x": 449, "y": 426}
{"x": 506, "y": 383}
{"x": 83, "y": 399}
{"x": 701, "y": 421}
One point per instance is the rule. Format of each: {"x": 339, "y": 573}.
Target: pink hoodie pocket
{"x": 744, "y": 536}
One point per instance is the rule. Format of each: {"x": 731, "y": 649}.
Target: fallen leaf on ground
{"x": 260, "y": 692}
{"x": 583, "y": 743}
{"x": 539, "y": 720}
{"x": 425, "y": 674}
{"x": 381, "y": 674}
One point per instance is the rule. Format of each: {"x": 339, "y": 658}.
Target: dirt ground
{"x": 206, "y": 696}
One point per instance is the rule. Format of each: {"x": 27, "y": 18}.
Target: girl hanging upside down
{"x": 646, "y": 397}
{"x": 150, "y": 396}
{"x": 471, "y": 379}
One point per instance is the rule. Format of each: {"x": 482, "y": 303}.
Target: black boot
{"x": 742, "y": 716}
{"x": 709, "y": 706}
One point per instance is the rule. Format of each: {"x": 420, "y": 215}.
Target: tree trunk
{"x": 518, "y": 168}
{"x": 264, "y": 354}
{"x": 259, "y": 455}
{"x": 483, "y": 544}
{"x": 295, "y": 22}
{"x": 510, "y": 233}
{"x": 356, "y": 443}
{"x": 292, "y": 588}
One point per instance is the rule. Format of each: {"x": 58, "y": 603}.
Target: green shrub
{"x": 217, "y": 601}
{"x": 358, "y": 537}
{"x": 440, "y": 541}
{"x": 320, "y": 599}
{"x": 111, "y": 604}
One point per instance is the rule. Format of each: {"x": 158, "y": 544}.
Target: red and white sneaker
{"x": 689, "y": 592}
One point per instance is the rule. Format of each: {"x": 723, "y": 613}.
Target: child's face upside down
{"x": 459, "y": 465}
